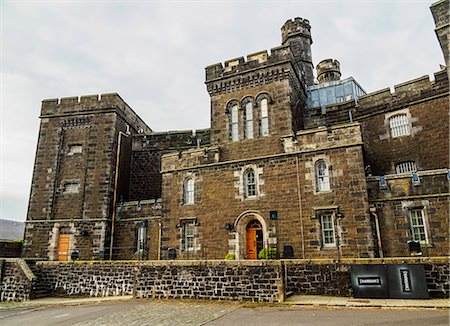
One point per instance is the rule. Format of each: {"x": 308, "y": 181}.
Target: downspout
{"x": 373, "y": 211}
{"x": 116, "y": 180}
{"x": 159, "y": 240}
{"x": 300, "y": 208}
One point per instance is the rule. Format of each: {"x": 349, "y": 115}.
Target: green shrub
{"x": 268, "y": 253}
{"x": 230, "y": 256}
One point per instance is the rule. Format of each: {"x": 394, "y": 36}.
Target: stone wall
{"x": 332, "y": 277}
{"x": 220, "y": 280}
{"x": 10, "y": 249}
{"x": 16, "y": 280}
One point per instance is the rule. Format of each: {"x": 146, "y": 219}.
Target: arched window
{"x": 264, "y": 118}
{"x": 189, "y": 191}
{"x": 399, "y": 125}
{"x": 234, "y": 123}
{"x": 249, "y": 183}
{"x": 249, "y": 120}
{"x": 322, "y": 177}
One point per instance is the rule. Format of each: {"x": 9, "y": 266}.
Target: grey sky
{"x": 154, "y": 53}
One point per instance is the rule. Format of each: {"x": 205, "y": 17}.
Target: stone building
{"x": 307, "y": 167}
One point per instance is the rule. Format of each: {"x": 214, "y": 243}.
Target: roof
{"x": 11, "y": 230}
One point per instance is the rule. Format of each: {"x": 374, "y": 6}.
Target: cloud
{"x": 153, "y": 54}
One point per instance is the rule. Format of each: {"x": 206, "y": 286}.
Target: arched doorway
{"x": 254, "y": 239}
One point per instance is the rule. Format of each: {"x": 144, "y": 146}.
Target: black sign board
{"x": 369, "y": 281}
{"x": 407, "y": 281}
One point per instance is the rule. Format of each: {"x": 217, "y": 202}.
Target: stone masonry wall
{"x": 16, "y": 280}
{"x": 332, "y": 277}
{"x": 221, "y": 280}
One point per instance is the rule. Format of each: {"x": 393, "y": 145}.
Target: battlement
{"x": 296, "y": 26}
{"x": 172, "y": 140}
{"x": 254, "y": 61}
{"x": 87, "y": 103}
{"x": 328, "y": 70}
{"x": 189, "y": 158}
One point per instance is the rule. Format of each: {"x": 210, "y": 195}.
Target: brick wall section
{"x": 10, "y": 249}
{"x": 146, "y": 158}
{"x": 16, "y": 280}
{"x": 393, "y": 205}
{"x": 128, "y": 219}
{"x": 427, "y": 103}
{"x": 219, "y": 199}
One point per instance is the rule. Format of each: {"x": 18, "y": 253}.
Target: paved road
{"x": 213, "y": 314}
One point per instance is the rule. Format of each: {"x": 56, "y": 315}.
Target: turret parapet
{"x": 255, "y": 60}
{"x": 328, "y": 70}
{"x": 294, "y": 27}
{"x": 92, "y": 104}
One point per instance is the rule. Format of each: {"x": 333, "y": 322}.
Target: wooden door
{"x": 251, "y": 244}
{"x": 253, "y": 239}
{"x": 63, "y": 247}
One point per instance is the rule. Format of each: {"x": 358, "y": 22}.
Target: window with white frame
{"x": 418, "y": 228}
{"x": 189, "y": 191}
{"x": 322, "y": 176}
{"x": 75, "y": 149}
{"x": 327, "y": 226}
{"x": 399, "y": 125}
{"x": 264, "y": 115}
{"x": 71, "y": 187}
{"x": 140, "y": 241}
{"x": 249, "y": 120}
{"x": 188, "y": 242}
{"x": 249, "y": 183}
{"x": 234, "y": 123}
{"x": 405, "y": 167}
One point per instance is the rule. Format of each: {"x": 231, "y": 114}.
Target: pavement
{"x": 294, "y": 300}
{"x": 344, "y": 302}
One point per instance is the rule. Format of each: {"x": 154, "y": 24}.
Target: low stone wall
{"x": 16, "y": 280}
{"x": 260, "y": 281}
{"x": 332, "y": 277}
{"x": 217, "y": 280}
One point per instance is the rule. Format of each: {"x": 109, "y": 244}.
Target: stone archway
{"x": 240, "y": 227}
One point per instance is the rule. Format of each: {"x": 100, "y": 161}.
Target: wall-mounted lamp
{"x": 228, "y": 226}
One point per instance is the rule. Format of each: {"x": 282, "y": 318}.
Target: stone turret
{"x": 440, "y": 11}
{"x": 328, "y": 70}
{"x": 297, "y": 34}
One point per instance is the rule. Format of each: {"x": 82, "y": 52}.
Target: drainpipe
{"x": 116, "y": 180}
{"x": 373, "y": 211}
{"x": 159, "y": 240}
{"x": 300, "y": 208}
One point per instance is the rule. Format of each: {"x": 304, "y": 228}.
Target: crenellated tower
{"x": 297, "y": 34}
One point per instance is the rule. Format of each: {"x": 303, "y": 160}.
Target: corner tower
{"x": 296, "y": 33}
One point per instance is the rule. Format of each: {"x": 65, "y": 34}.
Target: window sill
{"x": 323, "y": 192}
{"x": 251, "y": 198}
{"x": 329, "y": 247}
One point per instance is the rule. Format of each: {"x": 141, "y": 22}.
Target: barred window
{"x": 399, "y": 125}
{"x": 234, "y": 123}
{"x": 249, "y": 120}
{"x": 189, "y": 191}
{"x": 327, "y": 225}
{"x": 75, "y": 149}
{"x": 71, "y": 187}
{"x": 405, "y": 167}
{"x": 264, "y": 123}
{"x": 249, "y": 183}
{"x": 322, "y": 176}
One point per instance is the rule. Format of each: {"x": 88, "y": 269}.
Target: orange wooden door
{"x": 63, "y": 247}
{"x": 251, "y": 244}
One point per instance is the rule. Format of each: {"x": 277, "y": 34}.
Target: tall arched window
{"x": 234, "y": 122}
{"x": 322, "y": 176}
{"x": 264, "y": 118}
{"x": 189, "y": 191}
{"x": 249, "y": 183}
{"x": 249, "y": 120}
